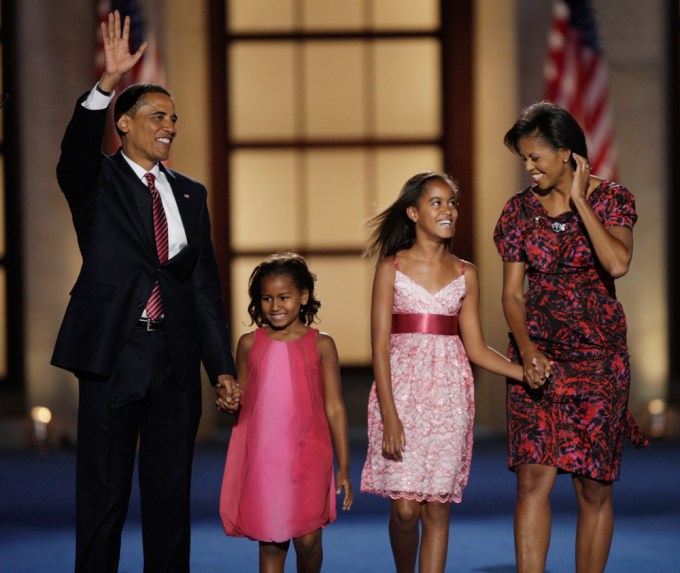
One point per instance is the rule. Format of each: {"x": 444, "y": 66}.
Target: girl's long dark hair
{"x": 288, "y": 264}
{"x": 392, "y": 229}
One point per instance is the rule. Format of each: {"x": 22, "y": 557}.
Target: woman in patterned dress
{"x": 421, "y": 407}
{"x": 570, "y": 235}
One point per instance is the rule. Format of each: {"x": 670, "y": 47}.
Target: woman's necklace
{"x": 556, "y": 226}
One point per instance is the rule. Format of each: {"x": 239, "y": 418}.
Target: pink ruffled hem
{"x": 414, "y": 496}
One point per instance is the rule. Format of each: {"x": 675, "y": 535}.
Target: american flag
{"x": 576, "y": 79}
{"x": 149, "y": 70}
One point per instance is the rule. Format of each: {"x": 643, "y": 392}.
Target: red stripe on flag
{"x": 576, "y": 79}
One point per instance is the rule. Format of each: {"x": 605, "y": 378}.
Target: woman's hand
{"x": 581, "y": 180}
{"x": 536, "y": 368}
{"x": 394, "y": 439}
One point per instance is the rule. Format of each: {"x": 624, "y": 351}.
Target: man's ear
{"x": 122, "y": 123}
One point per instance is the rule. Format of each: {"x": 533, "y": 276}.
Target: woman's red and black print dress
{"x": 577, "y": 421}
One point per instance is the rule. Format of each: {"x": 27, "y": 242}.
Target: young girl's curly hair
{"x": 288, "y": 264}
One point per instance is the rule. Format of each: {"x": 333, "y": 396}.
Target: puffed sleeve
{"x": 621, "y": 208}
{"x": 508, "y": 234}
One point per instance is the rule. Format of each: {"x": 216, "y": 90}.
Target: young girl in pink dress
{"x": 278, "y": 481}
{"x": 425, "y": 330}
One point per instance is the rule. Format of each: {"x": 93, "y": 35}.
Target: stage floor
{"x": 37, "y": 512}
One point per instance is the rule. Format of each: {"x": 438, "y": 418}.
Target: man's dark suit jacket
{"x": 112, "y": 215}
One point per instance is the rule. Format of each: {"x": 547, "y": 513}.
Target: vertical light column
{"x": 496, "y": 179}
{"x": 187, "y": 65}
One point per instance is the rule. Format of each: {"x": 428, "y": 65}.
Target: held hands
{"x": 228, "y": 393}
{"x": 581, "y": 180}
{"x": 394, "y": 439}
{"x": 118, "y": 60}
{"x": 536, "y": 369}
{"x": 342, "y": 482}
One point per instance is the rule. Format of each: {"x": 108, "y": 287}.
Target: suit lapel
{"x": 183, "y": 197}
{"x": 139, "y": 195}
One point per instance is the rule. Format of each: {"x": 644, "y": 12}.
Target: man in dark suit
{"x": 145, "y": 310}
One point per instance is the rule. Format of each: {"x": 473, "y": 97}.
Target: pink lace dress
{"x": 278, "y": 480}
{"x": 434, "y": 395}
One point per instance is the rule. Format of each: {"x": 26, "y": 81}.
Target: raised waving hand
{"x": 118, "y": 59}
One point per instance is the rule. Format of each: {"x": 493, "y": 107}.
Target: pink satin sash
{"x": 424, "y": 324}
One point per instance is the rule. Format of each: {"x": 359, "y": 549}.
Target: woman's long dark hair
{"x": 288, "y": 264}
{"x": 552, "y": 125}
{"x": 392, "y": 229}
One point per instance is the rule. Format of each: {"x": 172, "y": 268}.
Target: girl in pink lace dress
{"x": 278, "y": 480}
{"x": 421, "y": 406}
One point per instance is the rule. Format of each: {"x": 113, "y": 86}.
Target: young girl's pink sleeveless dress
{"x": 278, "y": 480}
{"x": 434, "y": 395}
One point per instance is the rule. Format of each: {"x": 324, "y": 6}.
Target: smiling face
{"x": 149, "y": 132}
{"x": 281, "y": 301}
{"x": 436, "y": 211}
{"x": 547, "y": 166}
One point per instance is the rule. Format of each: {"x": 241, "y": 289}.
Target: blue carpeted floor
{"x": 37, "y": 493}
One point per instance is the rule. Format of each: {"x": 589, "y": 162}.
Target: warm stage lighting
{"x": 41, "y": 417}
{"x": 657, "y": 417}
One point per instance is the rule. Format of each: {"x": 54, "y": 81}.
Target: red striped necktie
{"x": 154, "y": 306}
